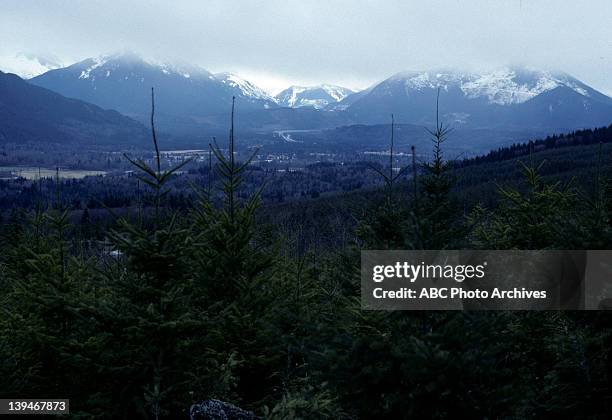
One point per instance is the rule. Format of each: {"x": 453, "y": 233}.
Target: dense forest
{"x": 580, "y": 137}
{"x": 223, "y": 298}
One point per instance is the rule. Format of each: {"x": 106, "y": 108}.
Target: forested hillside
{"x": 229, "y": 300}
{"x": 577, "y": 159}
{"x": 30, "y": 113}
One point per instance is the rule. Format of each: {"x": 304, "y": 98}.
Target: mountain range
{"x": 191, "y": 101}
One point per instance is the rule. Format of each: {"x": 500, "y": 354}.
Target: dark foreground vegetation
{"x": 184, "y": 305}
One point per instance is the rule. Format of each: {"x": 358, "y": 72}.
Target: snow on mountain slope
{"x": 317, "y": 97}
{"x": 27, "y": 66}
{"x": 337, "y": 92}
{"x": 107, "y": 66}
{"x": 509, "y": 86}
{"x": 504, "y": 86}
{"x": 247, "y": 88}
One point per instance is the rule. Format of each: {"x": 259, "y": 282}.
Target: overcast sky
{"x": 354, "y": 43}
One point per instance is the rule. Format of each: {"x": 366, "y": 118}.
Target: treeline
{"x": 580, "y": 137}
{"x": 181, "y": 307}
{"x": 120, "y": 190}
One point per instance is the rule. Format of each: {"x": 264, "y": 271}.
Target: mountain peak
{"x": 128, "y": 60}
{"x": 318, "y": 96}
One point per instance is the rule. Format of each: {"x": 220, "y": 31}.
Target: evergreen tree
{"x": 152, "y": 321}
{"x": 533, "y": 219}
{"x": 385, "y": 228}
{"x": 433, "y": 218}
{"x": 235, "y": 283}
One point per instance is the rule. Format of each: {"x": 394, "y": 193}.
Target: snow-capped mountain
{"x": 27, "y": 66}
{"x": 505, "y": 86}
{"x": 318, "y": 97}
{"x": 505, "y": 97}
{"x": 186, "y": 95}
{"x": 244, "y": 87}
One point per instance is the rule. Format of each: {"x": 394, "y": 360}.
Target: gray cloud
{"x": 338, "y": 41}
